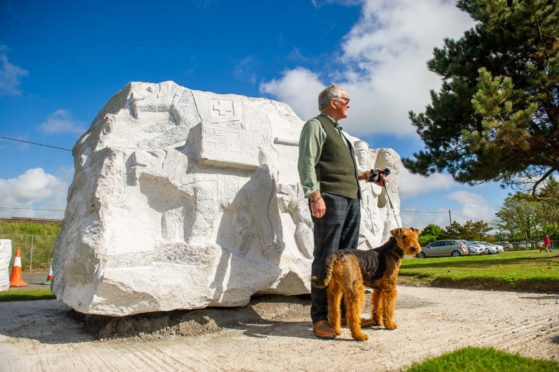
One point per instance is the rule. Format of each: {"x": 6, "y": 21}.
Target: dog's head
{"x": 407, "y": 240}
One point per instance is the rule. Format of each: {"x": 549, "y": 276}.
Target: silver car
{"x": 489, "y": 248}
{"x": 500, "y": 248}
{"x": 474, "y": 248}
{"x": 506, "y": 245}
{"x": 453, "y": 247}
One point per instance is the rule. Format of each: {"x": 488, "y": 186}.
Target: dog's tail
{"x": 322, "y": 279}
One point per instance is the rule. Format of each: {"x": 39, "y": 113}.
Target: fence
{"x": 36, "y": 250}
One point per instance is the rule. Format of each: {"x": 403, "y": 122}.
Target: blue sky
{"x": 60, "y": 61}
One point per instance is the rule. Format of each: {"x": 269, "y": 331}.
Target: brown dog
{"x": 348, "y": 271}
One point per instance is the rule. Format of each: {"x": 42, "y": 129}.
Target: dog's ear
{"x": 396, "y": 232}
{"x": 417, "y": 231}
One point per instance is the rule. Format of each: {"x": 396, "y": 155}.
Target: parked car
{"x": 439, "y": 248}
{"x": 489, "y": 248}
{"x": 524, "y": 245}
{"x": 486, "y": 247}
{"x": 474, "y": 248}
{"x": 499, "y": 247}
{"x": 506, "y": 245}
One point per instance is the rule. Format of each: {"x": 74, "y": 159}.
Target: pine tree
{"x": 496, "y": 117}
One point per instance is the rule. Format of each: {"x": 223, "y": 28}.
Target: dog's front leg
{"x": 376, "y": 307}
{"x": 389, "y": 299}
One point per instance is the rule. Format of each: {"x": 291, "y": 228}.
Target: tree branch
{"x": 542, "y": 178}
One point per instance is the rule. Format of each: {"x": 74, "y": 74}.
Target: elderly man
{"x": 329, "y": 175}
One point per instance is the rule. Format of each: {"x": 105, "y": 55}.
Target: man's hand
{"x": 364, "y": 176}
{"x": 382, "y": 178}
{"x": 318, "y": 207}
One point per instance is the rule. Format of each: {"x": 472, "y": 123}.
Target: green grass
{"x": 513, "y": 270}
{"x": 26, "y": 234}
{"x": 26, "y": 295}
{"x": 483, "y": 359}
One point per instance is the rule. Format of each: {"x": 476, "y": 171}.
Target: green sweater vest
{"x": 336, "y": 170}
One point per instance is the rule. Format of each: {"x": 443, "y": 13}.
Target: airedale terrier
{"x": 348, "y": 271}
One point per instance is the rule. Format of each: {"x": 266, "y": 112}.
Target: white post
{"x": 31, "y": 255}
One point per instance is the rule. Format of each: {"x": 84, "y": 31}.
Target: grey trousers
{"x": 337, "y": 229}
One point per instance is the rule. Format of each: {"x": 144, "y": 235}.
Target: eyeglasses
{"x": 344, "y": 99}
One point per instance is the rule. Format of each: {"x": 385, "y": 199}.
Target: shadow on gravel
{"x": 541, "y": 297}
{"x": 262, "y": 317}
{"x": 52, "y": 322}
{"x": 45, "y": 321}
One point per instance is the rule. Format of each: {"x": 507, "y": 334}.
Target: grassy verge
{"x": 527, "y": 270}
{"x": 27, "y": 235}
{"x": 26, "y": 295}
{"x": 483, "y": 359}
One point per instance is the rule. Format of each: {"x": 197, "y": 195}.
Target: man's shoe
{"x": 365, "y": 323}
{"x": 322, "y": 329}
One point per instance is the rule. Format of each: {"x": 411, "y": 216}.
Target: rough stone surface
{"x": 184, "y": 199}
{"x": 5, "y": 258}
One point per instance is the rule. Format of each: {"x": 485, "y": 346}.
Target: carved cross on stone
{"x": 223, "y": 107}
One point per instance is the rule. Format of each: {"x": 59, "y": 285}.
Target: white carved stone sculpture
{"x": 184, "y": 199}
{"x": 5, "y": 258}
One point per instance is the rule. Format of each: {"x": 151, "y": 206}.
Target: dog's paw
{"x": 391, "y": 325}
{"x": 362, "y": 336}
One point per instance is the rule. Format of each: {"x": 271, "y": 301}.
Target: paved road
{"x": 34, "y": 280}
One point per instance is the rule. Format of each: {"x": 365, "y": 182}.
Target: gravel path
{"x": 275, "y": 334}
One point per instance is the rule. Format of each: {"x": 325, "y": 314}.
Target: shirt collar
{"x": 335, "y": 123}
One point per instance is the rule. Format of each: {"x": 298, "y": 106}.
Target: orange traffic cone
{"x": 16, "y": 280}
{"x": 49, "y": 277}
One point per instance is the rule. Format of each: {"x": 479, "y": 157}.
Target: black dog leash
{"x": 391, "y": 206}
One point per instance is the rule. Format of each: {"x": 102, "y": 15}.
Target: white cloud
{"x": 414, "y": 184}
{"x": 299, "y": 88}
{"x": 62, "y": 121}
{"x": 384, "y": 64}
{"x": 10, "y": 76}
{"x": 420, "y": 220}
{"x": 65, "y": 174}
{"x": 473, "y": 207}
{"x": 436, "y": 186}
{"x": 34, "y": 189}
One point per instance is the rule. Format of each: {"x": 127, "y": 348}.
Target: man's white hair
{"x": 333, "y": 91}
